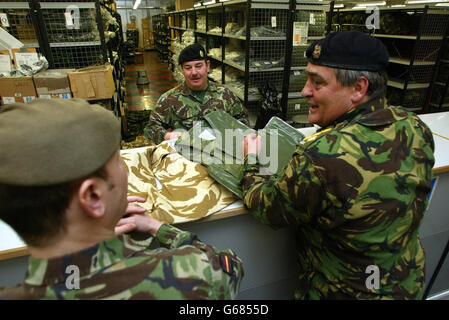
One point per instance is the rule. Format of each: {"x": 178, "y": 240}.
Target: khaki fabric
{"x": 185, "y": 191}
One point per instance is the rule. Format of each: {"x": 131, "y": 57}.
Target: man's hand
{"x": 172, "y": 135}
{"x": 251, "y": 144}
{"x": 136, "y": 219}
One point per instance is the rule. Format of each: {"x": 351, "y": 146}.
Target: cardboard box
{"x": 183, "y": 4}
{"x": 53, "y": 83}
{"x": 26, "y": 56}
{"x": 16, "y": 89}
{"x": 92, "y": 83}
{"x": 5, "y": 61}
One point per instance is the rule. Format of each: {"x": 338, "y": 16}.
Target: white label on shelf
{"x": 64, "y": 95}
{"x": 300, "y": 32}
{"x": 8, "y": 100}
{"x": 45, "y": 96}
{"x": 28, "y": 99}
{"x": 297, "y": 106}
{"x": 297, "y": 73}
{"x": 4, "y": 19}
{"x": 312, "y": 19}
{"x": 273, "y": 22}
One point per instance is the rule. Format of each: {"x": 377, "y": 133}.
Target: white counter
{"x": 12, "y": 246}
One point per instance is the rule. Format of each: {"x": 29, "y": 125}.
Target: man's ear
{"x": 90, "y": 195}
{"x": 360, "y": 89}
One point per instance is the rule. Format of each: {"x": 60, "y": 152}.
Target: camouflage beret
{"x": 194, "y": 52}
{"x": 352, "y": 50}
{"x": 51, "y": 141}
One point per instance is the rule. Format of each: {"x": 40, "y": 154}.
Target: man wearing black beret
{"x": 356, "y": 190}
{"x": 181, "y": 106}
{"x": 63, "y": 189}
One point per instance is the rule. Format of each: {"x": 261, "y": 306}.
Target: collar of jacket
{"x": 211, "y": 87}
{"x": 87, "y": 261}
{"x": 374, "y": 112}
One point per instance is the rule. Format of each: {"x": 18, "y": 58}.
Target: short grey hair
{"x": 377, "y": 80}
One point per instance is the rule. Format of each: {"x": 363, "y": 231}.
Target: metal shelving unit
{"x": 249, "y": 43}
{"x": 413, "y": 37}
{"x": 439, "y": 100}
{"x": 94, "y": 38}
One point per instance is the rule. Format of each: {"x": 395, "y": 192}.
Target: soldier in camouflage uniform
{"x": 63, "y": 189}
{"x": 355, "y": 191}
{"x": 181, "y": 106}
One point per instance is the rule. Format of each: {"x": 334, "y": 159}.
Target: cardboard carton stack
{"x": 92, "y": 83}
{"x": 53, "y": 83}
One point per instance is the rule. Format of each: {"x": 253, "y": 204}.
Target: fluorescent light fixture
{"x": 424, "y": 1}
{"x": 442, "y": 5}
{"x": 208, "y": 2}
{"x": 397, "y": 5}
{"x": 223, "y": 0}
{"x": 341, "y": 5}
{"x": 370, "y": 4}
{"x": 198, "y": 4}
{"x": 136, "y": 4}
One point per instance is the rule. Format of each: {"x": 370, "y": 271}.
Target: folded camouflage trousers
{"x": 216, "y": 143}
{"x": 176, "y": 190}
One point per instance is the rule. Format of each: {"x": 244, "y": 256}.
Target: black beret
{"x": 194, "y": 52}
{"x": 51, "y": 141}
{"x": 353, "y": 50}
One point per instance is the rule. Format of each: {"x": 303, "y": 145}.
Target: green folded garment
{"x": 216, "y": 143}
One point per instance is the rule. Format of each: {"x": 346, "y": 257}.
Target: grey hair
{"x": 377, "y": 80}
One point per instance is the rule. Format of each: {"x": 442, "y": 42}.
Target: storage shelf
{"x": 74, "y": 44}
{"x": 410, "y": 85}
{"x": 235, "y": 65}
{"x": 406, "y": 62}
{"x": 399, "y": 36}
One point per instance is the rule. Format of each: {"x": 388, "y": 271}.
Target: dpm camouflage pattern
{"x": 124, "y": 268}
{"x": 356, "y": 193}
{"x": 179, "y": 108}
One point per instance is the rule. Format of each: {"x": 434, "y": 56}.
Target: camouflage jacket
{"x": 178, "y": 108}
{"x": 125, "y": 268}
{"x": 356, "y": 193}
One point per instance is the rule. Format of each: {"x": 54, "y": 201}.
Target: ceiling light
{"x": 442, "y": 5}
{"x": 136, "y": 4}
{"x": 424, "y": 1}
{"x": 341, "y": 5}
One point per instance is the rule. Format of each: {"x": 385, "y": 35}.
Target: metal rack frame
{"x": 275, "y": 51}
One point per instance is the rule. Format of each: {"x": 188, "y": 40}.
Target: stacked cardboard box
{"x": 93, "y": 83}
{"x": 148, "y": 43}
{"x": 17, "y": 89}
{"x": 53, "y": 83}
{"x": 183, "y": 4}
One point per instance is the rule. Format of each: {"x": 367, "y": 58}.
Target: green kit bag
{"x": 216, "y": 143}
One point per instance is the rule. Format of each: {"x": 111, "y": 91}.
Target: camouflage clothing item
{"x": 123, "y": 268}
{"x": 356, "y": 193}
{"x": 179, "y": 108}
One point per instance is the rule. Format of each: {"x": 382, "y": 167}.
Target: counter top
{"x": 12, "y": 246}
